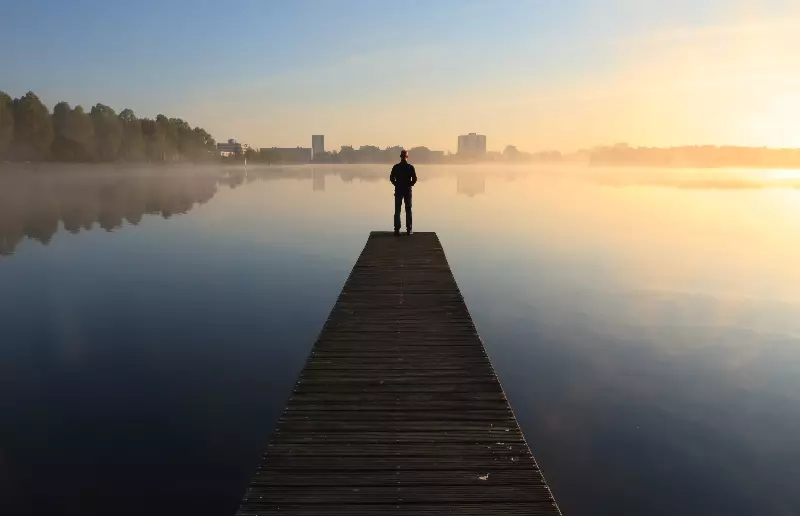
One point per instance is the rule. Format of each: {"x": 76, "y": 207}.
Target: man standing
{"x": 403, "y": 177}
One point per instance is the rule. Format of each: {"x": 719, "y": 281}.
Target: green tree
{"x": 182, "y": 138}
{"x": 33, "y": 129}
{"x": 6, "y": 122}
{"x": 390, "y": 154}
{"x": 154, "y": 139}
{"x": 421, "y": 155}
{"x": 81, "y": 132}
{"x": 347, "y": 154}
{"x": 73, "y": 134}
{"x": 132, "y": 147}
{"x": 107, "y": 132}
{"x": 28, "y": 131}
{"x": 206, "y": 140}
{"x": 61, "y": 148}
{"x": 169, "y": 138}
{"x": 196, "y": 144}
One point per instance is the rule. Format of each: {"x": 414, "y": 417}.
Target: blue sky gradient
{"x": 413, "y": 72}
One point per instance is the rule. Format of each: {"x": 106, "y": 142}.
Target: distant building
{"x": 472, "y": 145}
{"x": 232, "y": 148}
{"x": 288, "y": 154}
{"x": 317, "y": 145}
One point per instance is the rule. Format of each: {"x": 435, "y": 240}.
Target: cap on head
{"x": 404, "y": 154}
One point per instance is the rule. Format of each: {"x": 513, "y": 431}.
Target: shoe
{"x": 396, "y": 232}
{"x": 409, "y": 232}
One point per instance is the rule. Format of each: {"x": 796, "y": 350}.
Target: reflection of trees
{"x": 32, "y": 203}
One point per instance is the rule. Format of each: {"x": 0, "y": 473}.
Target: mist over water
{"x": 644, "y": 322}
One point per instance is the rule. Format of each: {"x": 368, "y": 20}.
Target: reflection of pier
{"x": 471, "y": 183}
{"x": 418, "y": 424}
{"x": 318, "y": 180}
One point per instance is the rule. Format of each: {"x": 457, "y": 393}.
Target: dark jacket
{"x": 403, "y": 176}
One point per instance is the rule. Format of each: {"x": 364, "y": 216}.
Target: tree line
{"x": 701, "y": 156}
{"x": 346, "y": 155}
{"x": 349, "y": 154}
{"x": 29, "y": 132}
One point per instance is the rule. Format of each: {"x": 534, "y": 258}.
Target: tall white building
{"x": 472, "y": 145}
{"x": 317, "y": 145}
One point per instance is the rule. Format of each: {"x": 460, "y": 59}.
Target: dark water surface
{"x": 645, "y": 325}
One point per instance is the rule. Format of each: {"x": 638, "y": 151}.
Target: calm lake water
{"x": 644, "y": 323}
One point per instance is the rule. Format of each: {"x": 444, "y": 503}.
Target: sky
{"x": 538, "y": 74}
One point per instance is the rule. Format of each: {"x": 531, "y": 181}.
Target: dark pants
{"x": 399, "y": 197}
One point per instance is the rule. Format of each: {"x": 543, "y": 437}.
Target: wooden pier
{"x": 398, "y": 409}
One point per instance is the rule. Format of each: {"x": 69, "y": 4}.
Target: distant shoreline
{"x": 690, "y": 166}
{"x": 9, "y": 166}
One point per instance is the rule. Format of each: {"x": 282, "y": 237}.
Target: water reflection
{"x": 695, "y": 179}
{"x": 642, "y": 319}
{"x": 318, "y": 183}
{"x": 347, "y": 173}
{"x": 34, "y": 204}
{"x": 38, "y": 203}
{"x": 471, "y": 184}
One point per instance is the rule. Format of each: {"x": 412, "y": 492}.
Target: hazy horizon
{"x": 538, "y": 75}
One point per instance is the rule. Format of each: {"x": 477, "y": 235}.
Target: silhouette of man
{"x": 403, "y": 177}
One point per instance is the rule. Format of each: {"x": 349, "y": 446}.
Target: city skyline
{"x": 539, "y": 75}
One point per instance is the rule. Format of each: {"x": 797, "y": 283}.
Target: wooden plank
{"x": 259, "y": 508}
{"x": 398, "y": 409}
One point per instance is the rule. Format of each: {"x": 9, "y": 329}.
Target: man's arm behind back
{"x": 413, "y": 175}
